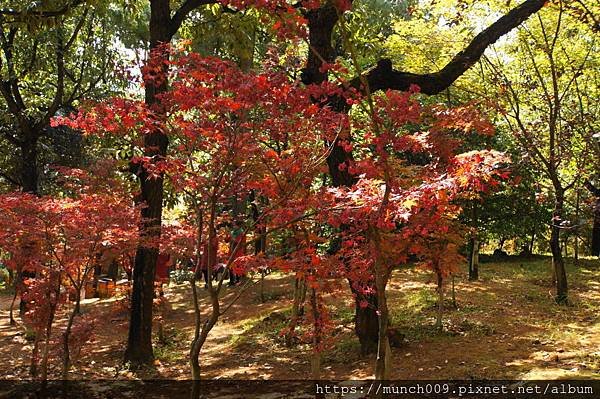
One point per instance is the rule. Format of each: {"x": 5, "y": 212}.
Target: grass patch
{"x": 171, "y": 350}
{"x": 345, "y": 349}
{"x": 262, "y": 327}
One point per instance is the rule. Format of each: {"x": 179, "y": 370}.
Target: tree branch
{"x": 182, "y": 13}
{"x": 9, "y": 179}
{"x": 595, "y": 191}
{"x": 22, "y": 15}
{"x": 383, "y": 77}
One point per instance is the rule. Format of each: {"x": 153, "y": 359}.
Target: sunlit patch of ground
{"x": 503, "y": 326}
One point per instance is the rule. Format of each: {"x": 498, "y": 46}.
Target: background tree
{"x": 49, "y": 61}
{"x": 545, "y": 114}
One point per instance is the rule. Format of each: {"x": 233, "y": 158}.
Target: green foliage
{"x": 181, "y": 276}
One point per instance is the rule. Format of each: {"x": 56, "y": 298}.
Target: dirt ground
{"x": 504, "y": 326}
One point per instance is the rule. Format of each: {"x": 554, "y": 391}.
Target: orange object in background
{"x": 162, "y": 267}
{"x": 90, "y": 292}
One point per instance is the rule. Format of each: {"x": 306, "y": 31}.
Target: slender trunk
{"x": 576, "y": 243}
{"x": 315, "y": 364}
{"x": 200, "y": 337}
{"x": 53, "y": 306}
{"x": 440, "y": 291}
{"x": 453, "y": 293}
{"x": 382, "y": 364}
{"x": 12, "y": 306}
{"x": 33, "y": 367}
{"x": 474, "y": 273}
{"x": 262, "y": 287}
{"x": 67, "y": 355}
{"x": 596, "y": 230}
{"x": 474, "y": 258}
{"x": 596, "y": 227}
{"x": 194, "y": 349}
{"x": 474, "y": 247}
{"x": 532, "y": 242}
{"x": 297, "y": 309}
{"x": 560, "y": 274}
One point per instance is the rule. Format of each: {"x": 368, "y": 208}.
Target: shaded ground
{"x": 504, "y": 326}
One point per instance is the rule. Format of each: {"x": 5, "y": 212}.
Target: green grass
{"x": 171, "y": 351}
{"x": 262, "y": 327}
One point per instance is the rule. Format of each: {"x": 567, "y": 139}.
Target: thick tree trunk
{"x": 29, "y": 168}
{"x": 29, "y": 184}
{"x": 139, "y": 343}
{"x": 321, "y": 24}
{"x": 366, "y": 321}
{"x": 560, "y": 274}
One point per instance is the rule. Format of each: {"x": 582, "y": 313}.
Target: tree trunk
{"x": 366, "y": 321}
{"x": 297, "y": 309}
{"x": 66, "y": 349}
{"x": 453, "y": 293}
{"x": 315, "y": 363}
{"x": 29, "y": 158}
{"x": 321, "y": 23}
{"x": 113, "y": 270}
{"x": 560, "y": 274}
{"x": 474, "y": 255}
{"x": 382, "y": 364}
{"x": 440, "y": 291}
{"x": 576, "y": 236}
{"x": 139, "y": 342}
{"x": 201, "y": 333}
{"x": 46, "y": 353}
{"x": 474, "y": 259}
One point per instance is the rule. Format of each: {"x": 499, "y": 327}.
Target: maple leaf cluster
{"x": 261, "y": 139}
{"x": 60, "y": 240}
{"x": 404, "y": 206}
